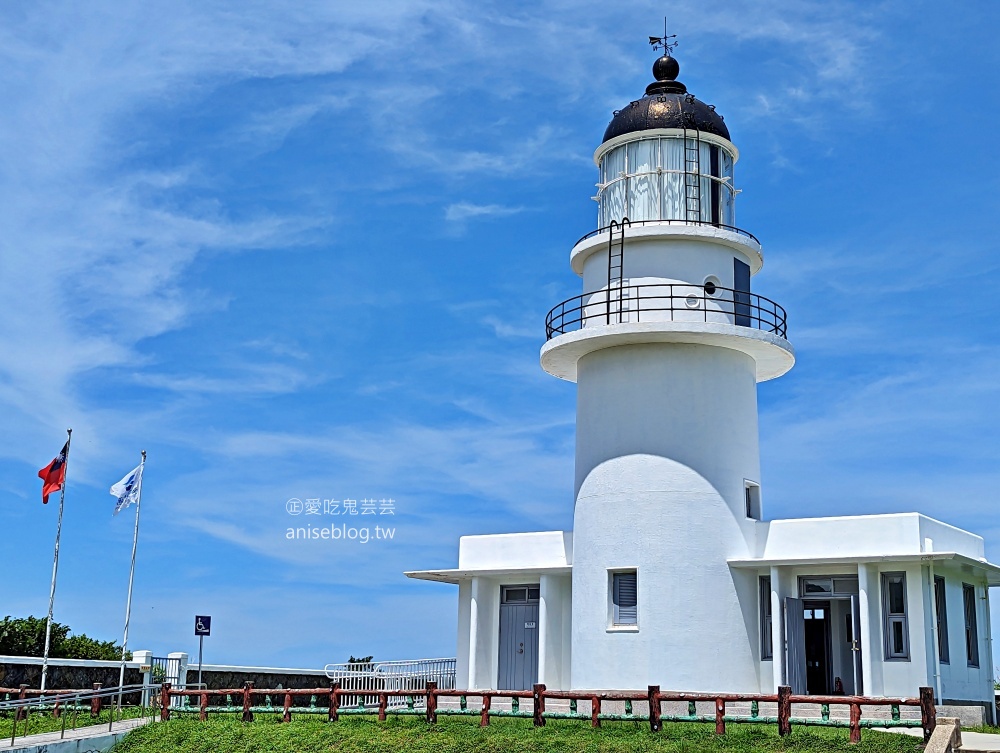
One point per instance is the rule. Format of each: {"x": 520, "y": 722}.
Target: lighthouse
{"x": 672, "y": 574}
{"x": 666, "y": 344}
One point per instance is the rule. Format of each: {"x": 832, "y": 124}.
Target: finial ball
{"x": 666, "y": 68}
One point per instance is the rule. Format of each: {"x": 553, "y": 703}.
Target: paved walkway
{"x": 95, "y": 737}
{"x": 972, "y": 742}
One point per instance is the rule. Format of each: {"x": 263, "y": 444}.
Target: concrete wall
{"x": 959, "y": 681}
{"x": 73, "y": 674}
{"x": 666, "y": 436}
{"x": 544, "y": 549}
{"x": 866, "y": 536}
{"x": 555, "y": 631}
{"x": 651, "y": 260}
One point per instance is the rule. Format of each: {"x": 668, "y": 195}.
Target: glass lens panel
{"x": 672, "y": 189}
{"x": 728, "y": 208}
{"x": 643, "y": 183}
{"x": 707, "y": 184}
{"x": 613, "y": 202}
{"x": 533, "y": 594}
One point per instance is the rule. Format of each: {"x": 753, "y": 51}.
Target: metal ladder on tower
{"x": 692, "y": 174}
{"x": 616, "y": 259}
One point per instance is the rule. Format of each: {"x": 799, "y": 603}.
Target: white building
{"x": 671, "y": 575}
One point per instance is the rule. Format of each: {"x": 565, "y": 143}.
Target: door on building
{"x": 816, "y": 630}
{"x": 518, "y": 665}
{"x": 741, "y": 294}
{"x": 855, "y": 639}
{"x": 795, "y": 645}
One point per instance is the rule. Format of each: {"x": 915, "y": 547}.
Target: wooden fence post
{"x": 655, "y": 723}
{"x": 22, "y": 711}
{"x": 538, "y": 703}
{"x": 165, "y": 702}
{"x": 203, "y": 703}
{"x": 595, "y": 711}
{"x": 383, "y": 701}
{"x": 432, "y": 702}
{"x": 784, "y": 710}
{"x": 287, "y": 716}
{"x": 56, "y": 710}
{"x": 720, "y": 716}
{"x": 334, "y": 701}
{"x": 855, "y": 722}
{"x": 247, "y": 698}
{"x": 95, "y": 702}
{"x": 484, "y": 715}
{"x": 928, "y": 713}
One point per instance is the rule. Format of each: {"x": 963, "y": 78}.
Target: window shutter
{"x": 625, "y": 599}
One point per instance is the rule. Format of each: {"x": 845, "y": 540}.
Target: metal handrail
{"x": 731, "y": 228}
{"x": 69, "y": 701}
{"x": 649, "y": 302}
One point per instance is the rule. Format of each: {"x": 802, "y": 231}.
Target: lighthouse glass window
{"x": 652, "y": 179}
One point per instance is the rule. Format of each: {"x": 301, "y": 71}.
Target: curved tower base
{"x": 666, "y": 442}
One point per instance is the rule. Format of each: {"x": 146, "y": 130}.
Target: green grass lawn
{"x": 461, "y": 735}
{"x": 45, "y": 722}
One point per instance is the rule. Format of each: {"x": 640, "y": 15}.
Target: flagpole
{"x": 55, "y": 565}
{"x": 131, "y": 574}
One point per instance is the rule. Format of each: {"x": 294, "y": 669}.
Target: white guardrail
{"x": 412, "y": 674}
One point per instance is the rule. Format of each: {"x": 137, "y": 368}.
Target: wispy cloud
{"x": 464, "y": 211}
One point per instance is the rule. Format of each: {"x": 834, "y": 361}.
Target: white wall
{"x": 516, "y": 551}
{"x": 866, "y": 536}
{"x": 484, "y": 633}
{"x": 666, "y": 435}
{"x": 464, "y": 637}
{"x": 555, "y": 631}
{"x": 959, "y": 681}
{"x": 689, "y": 261}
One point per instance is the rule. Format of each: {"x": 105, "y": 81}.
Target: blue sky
{"x": 306, "y": 251}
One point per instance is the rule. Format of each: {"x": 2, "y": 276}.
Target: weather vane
{"x": 664, "y": 43}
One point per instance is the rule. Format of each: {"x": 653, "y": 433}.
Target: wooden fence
{"x": 430, "y": 696}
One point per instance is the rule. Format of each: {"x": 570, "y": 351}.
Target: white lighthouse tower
{"x": 666, "y": 345}
{"x": 671, "y": 576}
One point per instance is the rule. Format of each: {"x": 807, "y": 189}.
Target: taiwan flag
{"x": 53, "y": 475}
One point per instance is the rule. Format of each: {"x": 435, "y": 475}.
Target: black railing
{"x": 674, "y": 302}
{"x": 634, "y": 223}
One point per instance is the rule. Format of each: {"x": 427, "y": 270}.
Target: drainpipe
{"x": 934, "y": 630}
{"x": 989, "y": 645}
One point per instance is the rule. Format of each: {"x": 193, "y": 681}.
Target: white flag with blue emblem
{"x": 127, "y": 490}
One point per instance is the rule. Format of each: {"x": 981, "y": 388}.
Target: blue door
{"x": 518, "y": 665}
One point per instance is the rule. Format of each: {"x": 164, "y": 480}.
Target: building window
{"x": 971, "y": 629}
{"x": 624, "y": 598}
{"x": 751, "y": 498}
{"x": 519, "y": 594}
{"x": 897, "y": 639}
{"x": 941, "y": 609}
{"x": 766, "y": 642}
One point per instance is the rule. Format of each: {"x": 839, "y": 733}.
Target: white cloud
{"x": 463, "y": 211}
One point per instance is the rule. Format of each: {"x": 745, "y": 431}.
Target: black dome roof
{"x": 667, "y": 104}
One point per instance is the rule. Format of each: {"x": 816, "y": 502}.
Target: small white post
{"x": 177, "y": 666}
{"x": 144, "y": 661}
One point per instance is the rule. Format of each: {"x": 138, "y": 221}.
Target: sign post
{"x": 202, "y": 627}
